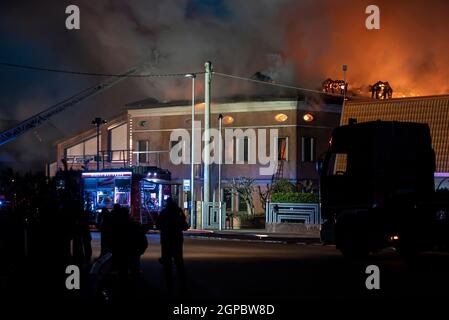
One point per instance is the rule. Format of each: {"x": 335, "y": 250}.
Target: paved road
{"x": 222, "y": 271}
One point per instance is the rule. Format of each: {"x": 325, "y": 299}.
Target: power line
{"x": 43, "y": 116}
{"x": 96, "y": 74}
{"x": 276, "y": 84}
{"x": 161, "y": 75}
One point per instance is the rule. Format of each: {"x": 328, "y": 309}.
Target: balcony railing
{"x": 117, "y": 159}
{"x": 150, "y": 158}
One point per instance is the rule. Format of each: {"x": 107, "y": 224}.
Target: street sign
{"x": 186, "y": 185}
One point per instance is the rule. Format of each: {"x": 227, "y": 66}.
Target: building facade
{"x": 141, "y": 137}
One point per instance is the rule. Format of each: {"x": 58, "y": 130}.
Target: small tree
{"x": 306, "y": 186}
{"x": 265, "y": 195}
{"x": 243, "y": 187}
{"x": 279, "y": 186}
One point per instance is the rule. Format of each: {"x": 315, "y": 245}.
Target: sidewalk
{"x": 251, "y": 234}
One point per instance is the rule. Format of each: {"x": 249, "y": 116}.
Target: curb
{"x": 253, "y": 236}
{"x": 261, "y": 237}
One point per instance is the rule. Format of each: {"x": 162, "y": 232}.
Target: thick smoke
{"x": 311, "y": 39}
{"x": 295, "y": 42}
{"x": 241, "y": 37}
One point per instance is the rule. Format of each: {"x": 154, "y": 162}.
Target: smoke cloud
{"x": 295, "y": 42}
{"x": 299, "y": 42}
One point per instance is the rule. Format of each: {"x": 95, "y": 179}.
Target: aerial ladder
{"x": 43, "y": 116}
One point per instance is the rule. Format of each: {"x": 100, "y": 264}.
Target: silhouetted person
{"x": 82, "y": 249}
{"x": 86, "y": 237}
{"x": 388, "y": 91}
{"x": 171, "y": 223}
{"x": 105, "y": 224}
{"x": 376, "y": 89}
{"x": 128, "y": 244}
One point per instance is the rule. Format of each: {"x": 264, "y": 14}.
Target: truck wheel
{"x": 350, "y": 243}
{"x": 354, "y": 251}
{"x": 327, "y": 233}
{"x": 407, "y": 250}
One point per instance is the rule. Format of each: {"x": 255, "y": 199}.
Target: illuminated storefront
{"x": 104, "y": 189}
{"x": 143, "y": 193}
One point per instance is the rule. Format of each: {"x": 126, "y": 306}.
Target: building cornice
{"x": 236, "y": 107}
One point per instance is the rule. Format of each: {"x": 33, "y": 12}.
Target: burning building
{"x": 335, "y": 86}
{"x": 381, "y": 90}
{"x": 140, "y": 136}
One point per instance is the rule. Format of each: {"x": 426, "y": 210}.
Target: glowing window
{"x": 281, "y": 117}
{"x": 308, "y": 117}
{"x": 228, "y": 120}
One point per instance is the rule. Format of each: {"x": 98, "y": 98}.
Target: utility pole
{"x": 344, "y": 68}
{"x": 207, "y": 81}
{"x": 98, "y": 122}
{"x": 192, "y": 158}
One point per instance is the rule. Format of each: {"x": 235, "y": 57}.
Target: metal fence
{"x": 307, "y": 213}
{"x": 111, "y": 159}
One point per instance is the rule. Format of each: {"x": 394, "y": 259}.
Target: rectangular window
{"x": 82, "y": 150}
{"x": 198, "y": 170}
{"x": 143, "y": 147}
{"x": 337, "y": 164}
{"x": 75, "y": 151}
{"x": 242, "y": 205}
{"x": 283, "y": 149}
{"x": 118, "y": 142}
{"x": 243, "y": 150}
{"x": 308, "y": 149}
{"x": 90, "y": 147}
{"x": 227, "y": 198}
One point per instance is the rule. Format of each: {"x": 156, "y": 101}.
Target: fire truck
{"x": 378, "y": 191}
{"x": 141, "y": 189}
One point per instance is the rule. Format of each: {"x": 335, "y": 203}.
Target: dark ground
{"x": 298, "y": 279}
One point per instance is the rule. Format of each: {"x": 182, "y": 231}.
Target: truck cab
{"x": 377, "y": 183}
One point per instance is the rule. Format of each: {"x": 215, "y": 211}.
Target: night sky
{"x": 295, "y": 42}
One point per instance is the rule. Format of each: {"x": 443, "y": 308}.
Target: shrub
{"x": 283, "y": 186}
{"x": 294, "y": 197}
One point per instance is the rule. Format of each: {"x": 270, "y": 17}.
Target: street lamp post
{"x": 206, "y": 178}
{"x": 220, "y": 154}
{"x": 344, "y": 68}
{"x": 192, "y": 158}
{"x": 98, "y": 122}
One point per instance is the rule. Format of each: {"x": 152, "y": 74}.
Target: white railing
{"x": 117, "y": 159}
{"x": 149, "y": 158}
{"x": 308, "y": 213}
